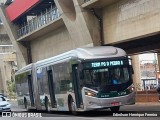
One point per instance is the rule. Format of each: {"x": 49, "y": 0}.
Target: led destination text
{"x": 108, "y": 63}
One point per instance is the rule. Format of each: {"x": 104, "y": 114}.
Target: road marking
{"x": 95, "y": 118}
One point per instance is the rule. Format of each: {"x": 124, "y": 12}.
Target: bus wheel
{"x": 115, "y": 109}
{"x": 25, "y": 104}
{"x": 72, "y": 107}
{"x": 47, "y": 105}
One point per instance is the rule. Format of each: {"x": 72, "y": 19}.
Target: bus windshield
{"x": 100, "y": 77}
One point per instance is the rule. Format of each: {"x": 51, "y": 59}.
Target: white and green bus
{"x": 79, "y": 80}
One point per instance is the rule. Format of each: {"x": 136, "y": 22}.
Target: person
{"x": 158, "y": 90}
{"x": 115, "y": 79}
{"x": 151, "y": 86}
{"x": 116, "y": 76}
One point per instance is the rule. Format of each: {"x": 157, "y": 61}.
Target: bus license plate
{"x": 115, "y": 103}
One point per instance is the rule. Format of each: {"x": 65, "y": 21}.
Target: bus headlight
{"x": 131, "y": 88}
{"x": 90, "y": 93}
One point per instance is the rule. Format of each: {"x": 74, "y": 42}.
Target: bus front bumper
{"x": 92, "y": 103}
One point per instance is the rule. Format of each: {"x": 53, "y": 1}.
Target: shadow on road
{"x": 82, "y": 114}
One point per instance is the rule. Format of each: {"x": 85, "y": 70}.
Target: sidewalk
{"x": 148, "y": 103}
{"x": 12, "y": 100}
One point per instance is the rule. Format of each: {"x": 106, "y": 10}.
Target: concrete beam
{"x": 78, "y": 23}
{"x": 97, "y": 3}
{"x": 9, "y": 57}
{"x": 127, "y": 19}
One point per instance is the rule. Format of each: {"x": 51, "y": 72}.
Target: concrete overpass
{"x": 7, "y": 57}
{"x": 46, "y": 28}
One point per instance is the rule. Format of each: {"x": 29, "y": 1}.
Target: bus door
{"x": 76, "y": 84}
{"x": 30, "y": 87}
{"x": 51, "y": 88}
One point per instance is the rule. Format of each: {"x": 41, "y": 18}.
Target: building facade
{"x": 8, "y": 64}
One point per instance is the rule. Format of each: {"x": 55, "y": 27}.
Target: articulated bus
{"x": 79, "y": 80}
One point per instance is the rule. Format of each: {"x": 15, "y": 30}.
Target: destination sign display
{"x": 105, "y": 63}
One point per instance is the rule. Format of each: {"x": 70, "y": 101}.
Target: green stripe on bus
{"x": 113, "y": 94}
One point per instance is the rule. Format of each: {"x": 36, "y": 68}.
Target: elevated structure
{"x": 7, "y": 60}
{"x": 7, "y": 56}
{"x": 50, "y": 28}
{"x": 8, "y": 67}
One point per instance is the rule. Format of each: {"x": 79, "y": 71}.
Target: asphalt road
{"x": 82, "y": 118}
{"x": 151, "y": 109}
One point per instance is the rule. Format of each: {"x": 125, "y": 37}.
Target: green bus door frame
{"x": 76, "y": 85}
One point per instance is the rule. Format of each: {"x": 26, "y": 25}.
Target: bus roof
{"x": 99, "y": 52}
{"x": 85, "y": 53}
{"x": 82, "y": 53}
{"x": 24, "y": 69}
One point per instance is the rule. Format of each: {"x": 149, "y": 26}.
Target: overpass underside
{"x": 141, "y": 45}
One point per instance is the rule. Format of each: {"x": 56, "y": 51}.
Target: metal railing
{"x": 38, "y": 21}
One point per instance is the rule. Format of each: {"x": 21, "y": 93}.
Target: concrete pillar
{"x": 158, "y": 59}
{"x": 5, "y": 71}
{"x": 2, "y": 68}
{"x": 1, "y": 79}
{"x": 11, "y": 30}
{"x": 137, "y": 72}
{"x": 82, "y": 25}
{"x": 1, "y": 85}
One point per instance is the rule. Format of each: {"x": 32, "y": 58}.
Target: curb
{"x": 148, "y": 103}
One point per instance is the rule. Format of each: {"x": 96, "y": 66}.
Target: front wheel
{"x": 47, "y": 105}
{"x": 72, "y": 107}
{"x": 26, "y": 105}
{"x": 115, "y": 109}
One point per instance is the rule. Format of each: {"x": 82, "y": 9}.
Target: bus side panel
{"x": 63, "y": 84}
{"x": 42, "y": 83}
{"x": 51, "y": 86}
{"x": 22, "y": 89}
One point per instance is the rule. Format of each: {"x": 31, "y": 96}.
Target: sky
{"x": 148, "y": 56}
